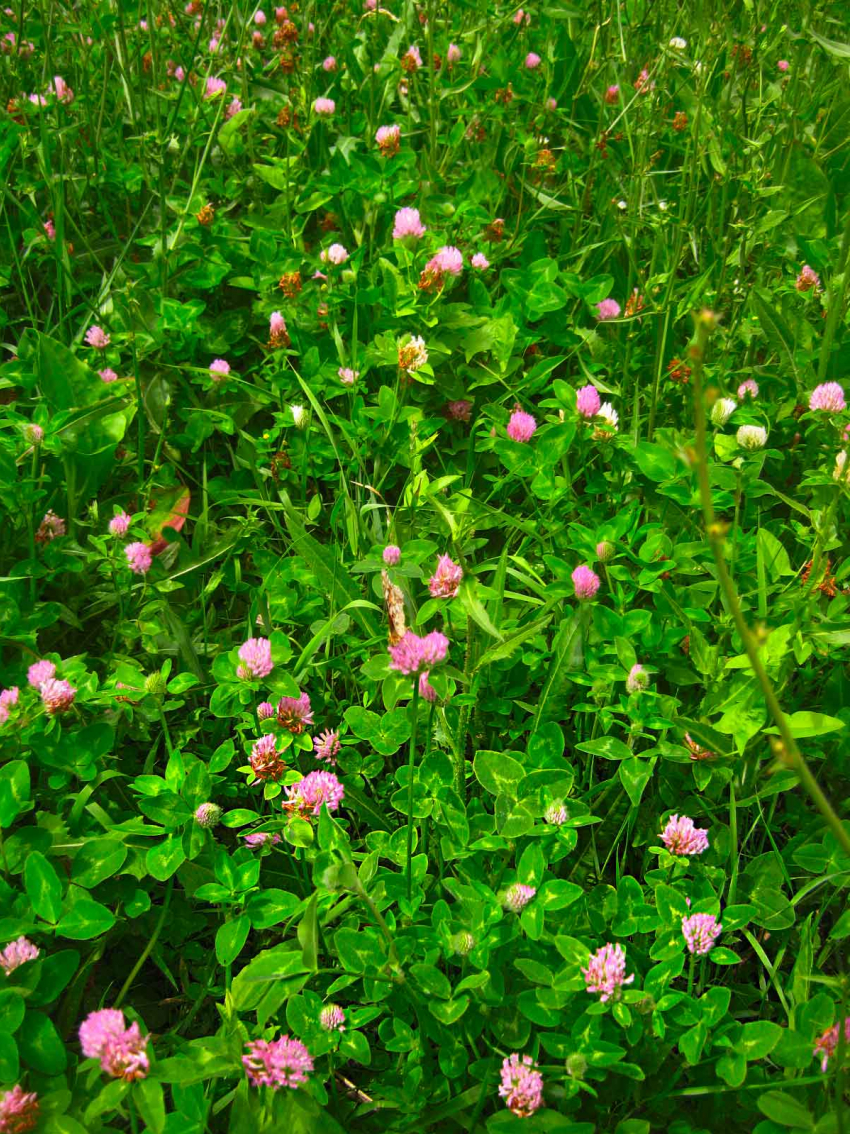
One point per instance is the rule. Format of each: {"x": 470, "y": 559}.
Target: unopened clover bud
{"x": 300, "y": 416}
{"x": 463, "y": 943}
{"x": 33, "y": 434}
{"x": 576, "y": 1065}
{"x": 722, "y": 410}
{"x": 208, "y": 815}
{"x": 155, "y": 684}
{"x": 605, "y": 551}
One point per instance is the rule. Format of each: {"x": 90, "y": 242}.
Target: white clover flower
{"x": 751, "y": 437}
{"x": 299, "y": 416}
{"x": 722, "y": 410}
{"x": 678, "y": 44}
{"x": 608, "y": 414}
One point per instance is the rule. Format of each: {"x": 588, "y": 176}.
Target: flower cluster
{"x": 307, "y": 796}
{"x": 17, "y": 953}
{"x": 413, "y": 654}
{"x": 283, "y": 1062}
{"x": 521, "y": 1086}
{"x": 606, "y": 972}
{"x": 445, "y": 582}
{"x": 700, "y": 931}
{"x": 122, "y": 1050}
{"x": 680, "y": 836}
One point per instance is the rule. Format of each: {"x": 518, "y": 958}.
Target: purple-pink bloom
{"x": 411, "y": 60}
{"x": 453, "y": 54}
{"x": 326, "y": 746}
{"x": 33, "y": 434}
{"x": 97, "y": 338}
{"x": 588, "y": 401}
{"x": 612, "y": 94}
{"x": 445, "y": 581}
{"x": 256, "y": 658}
{"x": 332, "y": 1018}
{"x": 783, "y": 65}
{"x": 56, "y": 696}
{"x": 607, "y": 309}
{"x": 18, "y": 1110}
{"x": 254, "y": 839}
{"x": 551, "y": 104}
{"x": 61, "y": 89}
{"x": 265, "y": 710}
{"x": 391, "y": 555}
{"x": 521, "y": 1086}
{"x": 517, "y": 896}
{"x": 119, "y": 524}
{"x": 388, "y": 139}
{"x": 532, "y": 60}
{"x": 207, "y": 815}
{"x": 826, "y": 1044}
{"x": 459, "y": 410}
{"x": 329, "y": 63}
{"x": 348, "y": 376}
{"x": 521, "y": 426}
{"x": 295, "y": 713}
{"x": 828, "y": 396}
{"x": 408, "y": 224}
{"x": 413, "y": 654}
{"x": 586, "y": 582}
{"x": 10, "y": 696}
{"x": 120, "y": 1049}
{"x": 446, "y": 259}
{"x": 39, "y": 672}
{"x": 680, "y": 836}
{"x": 316, "y": 788}
{"x": 17, "y": 953}
{"x": 259, "y": 17}
{"x": 50, "y": 527}
{"x": 139, "y": 557}
{"x": 480, "y": 261}
{"x": 700, "y": 931}
{"x": 426, "y": 690}
{"x": 324, "y": 107}
{"x": 277, "y": 325}
{"x": 637, "y": 680}
{"x": 606, "y": 972}
{"x": 214, "y": 87}
{"x": 265, "y": 760}
{"x": 233, "y": 108}
{"x": 336, "y": 254}
{"x": 283, "y": 1062}
{"x": 219, "y": 368}
{"x": 107, "y": 375}
{"x": 748, "y": 389}
{"x": 807, "y": 279}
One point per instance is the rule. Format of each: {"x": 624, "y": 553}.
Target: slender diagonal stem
{"x": 411, "y": 768}
{"x": 148, "y": 949}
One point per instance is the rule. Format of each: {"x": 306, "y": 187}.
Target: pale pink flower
{"x": 277, "y": 326}
{"x": 315, "y": 789}
{"x": 414, "y": 654}
{"x": 326, "y": 746}
{"x": 783, "y": 65}
{"x": 556, "y": 814}
{"x": 391, "y": 555}
{"x": 256, "y": 658}
{"x": 19, "y": 1111}
{"x": 57, "y": 696}
{"x": 606, "y": 972}
{"x": 453, "y": 54}
{"x": 551, "y": 104}
{"x": 828, "y": 396}
{"x": 332, "y": 1018}
{"x": 207, "y": 815}
{"x": 408, "y": 224}
{"x": 446, "y": 259}
{"x": 283, "y": 1062}
{"x": 642, "y": 84}
{"x": 586, "y": 582}
{"x": 532, "y": 60}
{"x": 37, "y": 99}
{"x": 748, "y": 388}
{"x": 522, "y": 426}
{"x": 348, "y": 376}
{"x": 213, "y": 47}
{"x": 521, "y": 1086}
{"x": 445, "y": 582}
{"x": 608, "y": 309}
{"x": 295, "y": 713}
{"x": 49, "y": 229}
{"x": 700, "y": 932}
{"x": 388, "y": 139}
{"x": 259, "y": 18}
{"x": 265, "y": 710}
{"x": 254, "y": 839}
{"x": 233, "y": 108}
{"x": 219, "y": 369}
{"x": 680, "y": 836}
{"x": 324, "y": 107}
{"x": 329, "y": 64}
{"x": 50, "y": 527}
{"x": 826, "y": 1044}
{"x": 370, "y": 5}
{"x": 139, "y": 557}
{"x": 62, "y": 91}
{"x": 411, "y": 60}
{"x": 480, "y": 261}
{"x": 120, "y": 1049}
{"x": 107, "y": 375}
{"x": 39, "y": 672}
{"x": 179, "y": 74}
{"x": 637, "y": 680}
{"x": 10, "y": 696}
{"x": 426, "y": 690}
{"x": 612, "y": 94}
{"x": 97, "y": 338}
{"x": 517, "y": 896}
{"x": 807, "y": 279}
{"x": 119, "y": 524}
{"x": 588, "y": 401}
{"x": 520, "y": 17}
{"x": 214, "y": 87}
{"x": 33, "y": 434}
{"x": 336, "y": 254}
{"x": 17, "y": 953}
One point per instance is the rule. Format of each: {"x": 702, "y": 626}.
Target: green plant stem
{"x": 411, "y": 767}
{"x": 837, "y": 292}
{"x": 788, "y": 751}
{"x": 148, "y": 949}
{"x": 165, "y": 731}
{"x": 692, "y": 964}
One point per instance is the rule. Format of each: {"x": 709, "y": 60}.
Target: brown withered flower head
{"x": 206, "y": 215}
{"x": 290, "y": 284}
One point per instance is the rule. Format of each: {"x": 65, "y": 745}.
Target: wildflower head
{"x": 521, "y": 1086}
{"x": 532, "y": 61}
{"x": 391, "y": 555}
{"x": 389, "y": 140}
{"x": 413, "y": 654}
{"x": 521, "y": 426}
{"x": 17, "y": 953}
{"x": 680, "y": 836}
{"x": 607, "y": 309}
{"x": 294, "y": 713}
{"x": 326, "y": 746}
{"x": 50, "y": 527}
{"x": 826, "y": 1044}
{"x": 408, "y": 225}
{"x": 556, "y": 813}
{"x": 278, "y": 334}
{"x": 265, "y": 760}
{"x": 336, "y": 254}
{"x": 453, "y": 53}
{"x": 722, "y": 410}
{"x": 700, "y": 931}
{"x": 329, "y": 63}
{"x": 214, "y": 87}
{"x": 107, "y": 375}
{"x": 828, "y": 396}
{"x": 119, "y": 524}
{"x": 517, "y": 896}
{"x": 332, "y": 1018}
{"x": 39, "y": 672}
{"x": 426, "y": 690}
{"x": 207, "y": 815}
{"x": 460, "y": 410}
{"x": 807, "y": 280}
{"x": 606, "y": 972}
{"x": 219, "y": 369}
{"x": 265, "y": 710}
{"x": 637, "y": 680}
{"x": 411, "y": 61}
{"x": 348, "y": 376}
{"x": 57, "y": 696}
{"x": 255, "y": 657}
{"x": 605, "y": 551}
{"x": 19, "y": 1110}
{"x": 783, "y": 65}
{"x": 751, "y": 437}
{"x": 588, "y": 401}
{"x": 445, "y": 581}
{"x": 139, "y": 557}
{"x": 479, "y": 261}
{"x": 256, "y": 839}
{"x": 33, "y": 434}
{"x": 300, "y": 416}
{"x": 283, "y": 1062}
{"x": 612, "y": 94}
{"x": 678, "y": 44}
{"x": 324, "y": 107}
{"x": 586, "y": 583}
{"x": 462, "y": 943}
{"x": 412, "y": 354}
{"x": 307, "y": 796}
{"x": 120, "y": 1049}
{"x": 96, "y": 337}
